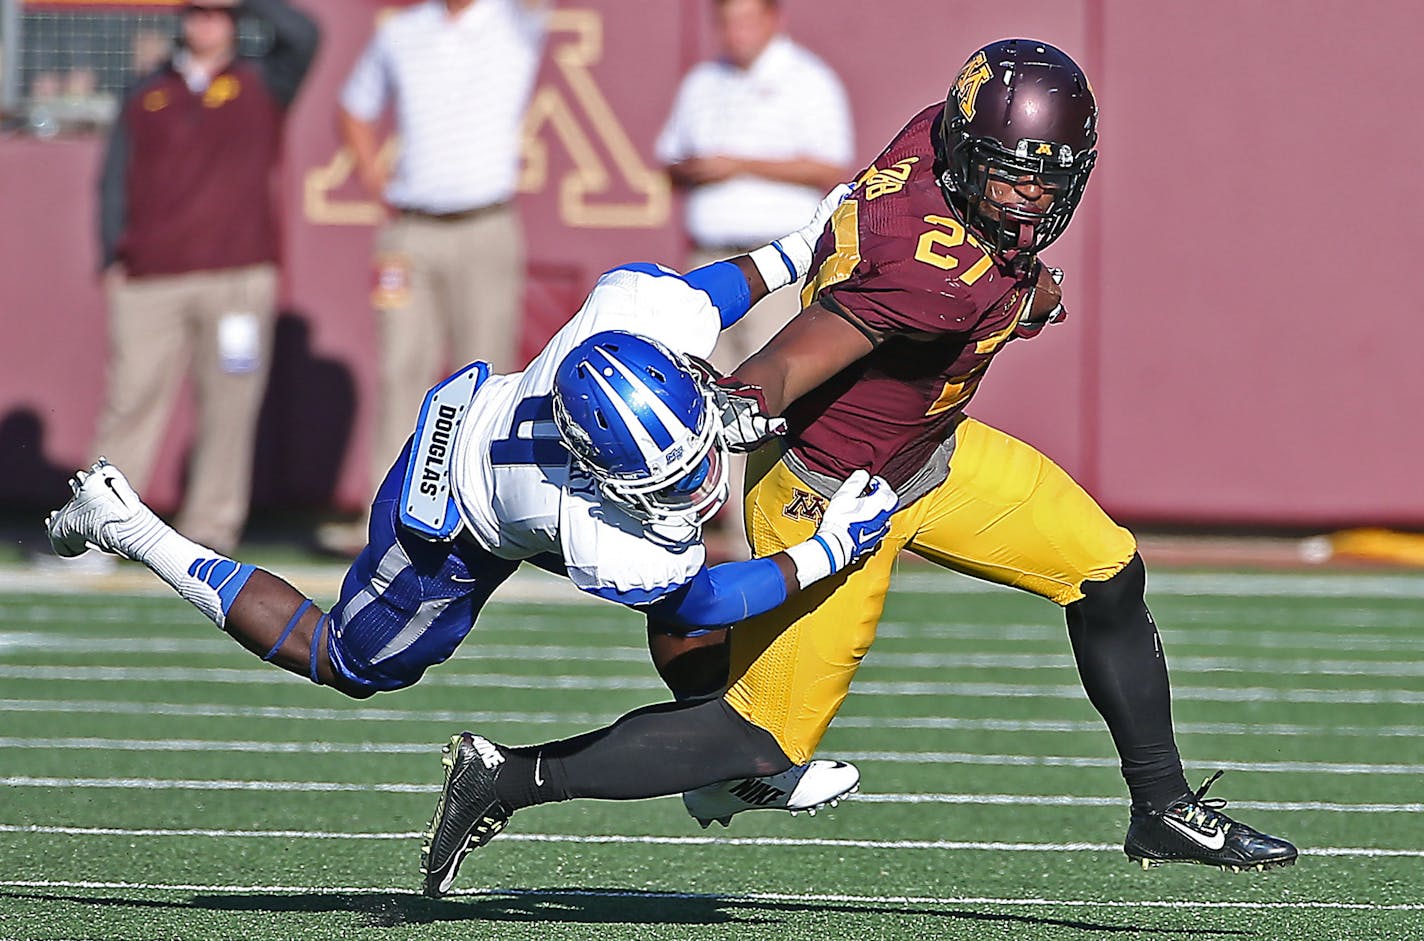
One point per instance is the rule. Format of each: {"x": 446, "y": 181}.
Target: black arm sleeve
{"x": 113, "y": 203}
{"x": 295, "y": 37}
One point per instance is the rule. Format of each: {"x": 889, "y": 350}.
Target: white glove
{"x": 853, "y": 525}
{"x": 746, "y": 424}
{"x": 787, "y": 260}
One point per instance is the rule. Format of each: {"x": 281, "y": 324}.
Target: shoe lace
{"x": 1205, "y": 811}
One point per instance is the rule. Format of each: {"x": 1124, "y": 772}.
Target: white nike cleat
{"x": 103, "y": 502}
{"x": 807, "y": 787}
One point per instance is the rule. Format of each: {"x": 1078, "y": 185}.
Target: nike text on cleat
{"x": 467, "y": 815}
{"x": 103, "y": 501}
{"x": 805, "y": 787}
{"x": 1194, "y": 830}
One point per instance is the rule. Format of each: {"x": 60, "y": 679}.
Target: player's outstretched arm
{"x": 736, "y": 284}
{"x": 812, "y": 348}
{"x": 855, "y": 522}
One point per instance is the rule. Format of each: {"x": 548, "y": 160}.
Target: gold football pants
{"x": 1006, "y": 514}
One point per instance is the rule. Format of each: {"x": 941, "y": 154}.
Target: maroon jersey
{"x": 896, "y": 259}
{"x": 198, "y": 180}
{"x": 187, "y": 183}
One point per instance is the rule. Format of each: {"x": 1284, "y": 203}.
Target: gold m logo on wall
{"x": 590, "y": 177}
{"x": 608, "y": 186}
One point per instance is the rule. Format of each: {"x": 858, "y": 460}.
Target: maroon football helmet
{"x": 1019, "y": 107}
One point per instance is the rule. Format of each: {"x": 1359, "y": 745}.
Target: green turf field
{"x": 161, "y": 783}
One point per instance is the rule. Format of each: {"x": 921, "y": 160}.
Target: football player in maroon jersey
{"x": 922, "y": 276}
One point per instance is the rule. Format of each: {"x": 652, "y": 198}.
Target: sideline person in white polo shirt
{"x": 756, "y": 137}
{"x": 458, "y": 75}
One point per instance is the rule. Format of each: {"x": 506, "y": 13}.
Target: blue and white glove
{"x": 787, "y": 260}
{"x": 746, "y": 423}
{"x": 853, "y": 525}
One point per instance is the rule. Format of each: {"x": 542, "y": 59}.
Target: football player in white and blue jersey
{"x": 601, "y": 461}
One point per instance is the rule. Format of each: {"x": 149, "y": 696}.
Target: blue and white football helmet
{"x": 635, "y": 418}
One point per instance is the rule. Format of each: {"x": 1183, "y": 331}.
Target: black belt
{"x": 462, "y": 215}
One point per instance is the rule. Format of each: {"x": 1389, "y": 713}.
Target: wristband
{"x": 775, "y": 266}
{"x": 814, "y": 560}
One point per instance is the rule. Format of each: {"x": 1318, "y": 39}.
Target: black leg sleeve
{"x": 693, "y": 667}
{"x": 651, "y": 752}
{"x": 1120, "y": 659}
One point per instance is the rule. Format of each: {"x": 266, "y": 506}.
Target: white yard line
{"x": 321, "y": 747}
{"x": 620, "y": 624}
{"x": 472, "y": 652}
{"x": 706, "y": 841}
{"x": 1337, "y": 640}
{"x": 1178, "y": 664}
{"x": 528, "y": 586}
{"x": 263, "y": 676}
{"x": 993, "y": 901}
{"x": 1071, "y": 800}
{"x": 1095, "y": 726}
{"x": 205, "y": 784}
{"x": 1064, "y": 761}
{"x": 349, "y": 714}
{"x": 1008, "y": 800}
{"x": 122, "y": 610}
{"x": 480, "y": 653}
{"x": 1196, "y": 584}
{"x": 1348, "y": 769}
{"x": 532, "y": 585}
{"x": 472, "y": 717}
{"x": 895, "y": 757}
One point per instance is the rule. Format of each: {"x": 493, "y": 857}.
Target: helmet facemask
{"x": 1009, "y": 229}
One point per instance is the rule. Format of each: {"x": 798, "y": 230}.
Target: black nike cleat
{"x": 468, "y": 815}
{"x": 1194, "y": 830}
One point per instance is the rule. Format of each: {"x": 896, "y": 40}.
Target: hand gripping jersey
{"x": 513, "y": 481}
{"x": 897, "y": 260}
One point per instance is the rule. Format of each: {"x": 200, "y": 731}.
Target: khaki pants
{"x": 734, "y": 346}
{"x": 216, "y": 326}
{"x": 448, "y": 292}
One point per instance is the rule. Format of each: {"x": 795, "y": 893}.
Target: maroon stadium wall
{"x": 1241, "y": 341}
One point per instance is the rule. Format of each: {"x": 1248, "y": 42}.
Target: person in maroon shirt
{"x": 188, "y": 229}
{"x": 922, "y": 276}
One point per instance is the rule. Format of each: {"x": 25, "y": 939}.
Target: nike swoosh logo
{"x": 109, "y": 482}
{"x": 538, "y": 761}
{"x": 1214, "y": 840}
